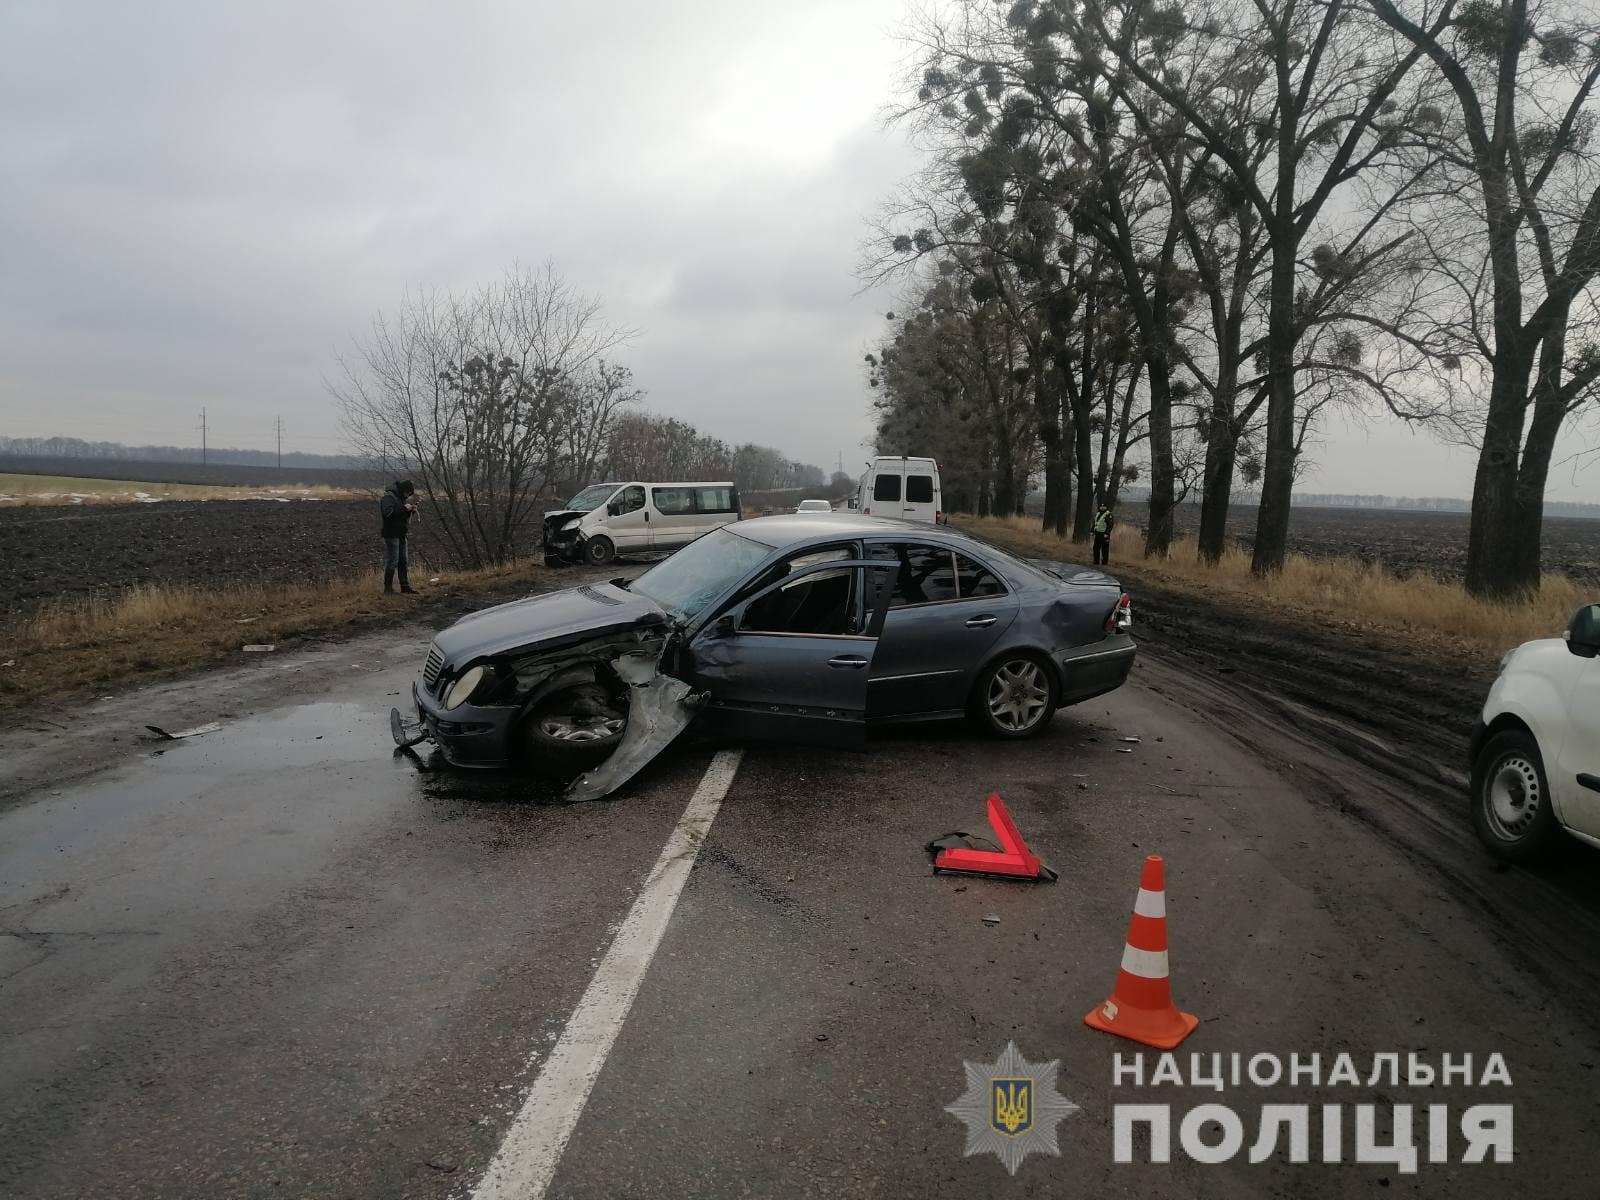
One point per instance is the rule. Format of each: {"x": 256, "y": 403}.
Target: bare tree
{"x": 489, "y": 399}
{"x": 1516, "y": 246}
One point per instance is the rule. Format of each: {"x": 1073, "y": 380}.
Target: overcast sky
{"x": 205, "y": 202}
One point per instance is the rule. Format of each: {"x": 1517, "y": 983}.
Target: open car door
{"x": 791, "y": 662}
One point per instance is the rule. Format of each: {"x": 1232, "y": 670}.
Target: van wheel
{"x": 1511, "y": 809}
{"x": 1015, "y": 697}
{"x": 571, "y": 731}
{"x": 599, "y": 551}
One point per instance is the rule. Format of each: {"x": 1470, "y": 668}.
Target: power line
{"x": 202, "y": 436}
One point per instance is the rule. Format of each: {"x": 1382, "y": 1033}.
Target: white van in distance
{"x": 608, "y": 519}
{"x": 907, "y": 488}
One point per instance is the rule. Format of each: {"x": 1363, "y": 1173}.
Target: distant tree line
{"x": 645, "y": 446}
{"x": 71, "y": 447}
{"x": 1181, "y": 233}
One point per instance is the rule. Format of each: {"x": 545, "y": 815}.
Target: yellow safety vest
{"x": 1101, "y": 521}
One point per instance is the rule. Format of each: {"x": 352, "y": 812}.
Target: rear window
{"x": 926, "y": 574}
{"x": 886, "y": 487}
{"x": 975, "y": 579}
{"x": 716, "y": 500}
{"x": 919, "y": 489}
{"x": 673, "y": 501}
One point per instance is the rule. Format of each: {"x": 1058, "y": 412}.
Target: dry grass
{"x": 1338, "y": 593}
{"x": 158, "y": 630}
{"x": 32, "y": 490}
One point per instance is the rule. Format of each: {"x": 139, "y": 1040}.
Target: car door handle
{"x": 1592, "y": 782}
{"x": 848, "y": 662}
{"x": 981, "y": 622}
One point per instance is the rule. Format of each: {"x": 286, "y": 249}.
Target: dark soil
{"x": 1433, "y": 542}
{"x": 49, "y": 552}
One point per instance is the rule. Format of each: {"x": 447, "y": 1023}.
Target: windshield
{"x": 592, "y": 497}
{"x": 696, "y": 575}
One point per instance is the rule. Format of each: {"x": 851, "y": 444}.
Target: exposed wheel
{"x": 599, "y": 551}
{"x": 1511, "y": 808}
{"x": 572, "y": 730}
{"x": 1015, "y": 697}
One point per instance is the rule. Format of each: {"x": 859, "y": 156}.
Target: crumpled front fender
{"x": 660, "y": 708}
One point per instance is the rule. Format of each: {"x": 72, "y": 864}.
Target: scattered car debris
{"x": 260, "y": 648}
{"x": 991, "y": 919}
{"x": 1124, "y": 749}
{"x": 179, "y": 735}
{"x": 244, "y": 620}
{"x": 1132, "y": 740}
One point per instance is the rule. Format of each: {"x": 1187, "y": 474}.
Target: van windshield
{"x": 592, "y": 497}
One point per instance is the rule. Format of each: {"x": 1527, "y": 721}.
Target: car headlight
{"x": 461, "y": 690}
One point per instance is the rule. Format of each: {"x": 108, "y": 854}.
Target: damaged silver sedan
{"x": 801, "y": 628}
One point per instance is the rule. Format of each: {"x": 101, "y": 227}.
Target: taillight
{"x": 1121, "y": 618}
{"x": 938, "y": 517}
{"x": 866, "y": 512}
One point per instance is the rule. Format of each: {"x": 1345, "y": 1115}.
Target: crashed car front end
{"x": 563, "y": 537}
{"x": 569, "y": 681}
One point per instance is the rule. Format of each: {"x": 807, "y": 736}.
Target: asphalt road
{"x": 279, "y": 960}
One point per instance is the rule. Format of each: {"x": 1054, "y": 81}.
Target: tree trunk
{"x": 1492, "y": 553}
{"x": 1222, "y": 449}
{"x": 1085, "y": 455}
{"x": 1277, "y": 479}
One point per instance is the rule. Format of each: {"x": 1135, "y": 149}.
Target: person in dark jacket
{"x": 397, "y": 508}
{"x": 1103, "y": 521}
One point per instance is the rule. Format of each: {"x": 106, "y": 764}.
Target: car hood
{"x": 561, "y": 514}
{"x": 1070, "y": 573}
{"x": 572, "y": 614}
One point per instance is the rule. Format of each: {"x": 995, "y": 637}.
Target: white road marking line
{"x": 528, "y": 1157}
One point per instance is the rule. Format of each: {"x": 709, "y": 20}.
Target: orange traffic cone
{"x": 1140, "y": 1007}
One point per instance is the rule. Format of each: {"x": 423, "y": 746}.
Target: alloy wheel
{"x": 1018, "y": 695}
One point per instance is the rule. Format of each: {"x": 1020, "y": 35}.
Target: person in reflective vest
{"x": 1103, "y": 521}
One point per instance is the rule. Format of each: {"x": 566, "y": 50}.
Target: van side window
{"x": 926, "y": 574}
{"x": 631, "y": 500}
{"x": 919, "y": 489}
{"x": 715, "y": 500}
{"x": 975, "y": 579}
{"x": 674, "y": 501}
{"x": 886, "y": 487}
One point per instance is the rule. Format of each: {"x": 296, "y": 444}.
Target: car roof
{"x": 793, "y": 529}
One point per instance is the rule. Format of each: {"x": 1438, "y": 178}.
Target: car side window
{"x": 673, "y": 501}
{"x": 886, "y": 487}
{"x": 925, "y": 575}
{"x": 975, "y": 579}
{"x": 820, "y": 604}
{"x": 631, "y": 500}
{"x": 715, "y": 500}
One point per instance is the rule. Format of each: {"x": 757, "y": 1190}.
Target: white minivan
{"x": 902, "y": 487}
{"x": 608, "y": 519}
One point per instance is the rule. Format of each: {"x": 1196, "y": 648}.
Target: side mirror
{"x": 725, "y": 626}
{"x": 614, "y": 509}
{"x": 1583, "y": 633}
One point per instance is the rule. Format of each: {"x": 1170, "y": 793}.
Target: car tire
{"x": 1015, "y": 696}
{"x": 1511, "y": 804}
{"x": 565, "y": 734}
{"x": 598, "y": 551}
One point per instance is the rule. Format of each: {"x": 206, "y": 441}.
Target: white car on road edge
{"x": 1536, "y": 753}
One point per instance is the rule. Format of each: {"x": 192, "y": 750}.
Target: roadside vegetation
{"x": 152, "y": 632}
{"x": 28, "y": 490}
{"x": 1162, "y": 242}
{"x": 1337, "y": 595}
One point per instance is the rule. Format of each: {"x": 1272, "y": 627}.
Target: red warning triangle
{"x": 1014, "y": 858}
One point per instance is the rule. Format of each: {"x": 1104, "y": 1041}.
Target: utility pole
{"x": 280, "y": 443}
{"x": 202, "y": 437}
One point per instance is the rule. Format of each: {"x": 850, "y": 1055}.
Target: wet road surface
{"x": 278, "y": 960}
